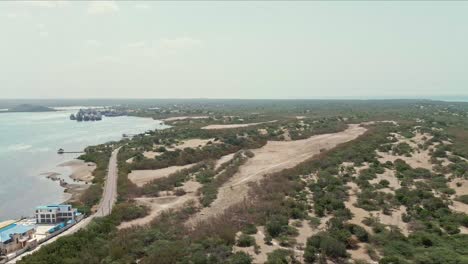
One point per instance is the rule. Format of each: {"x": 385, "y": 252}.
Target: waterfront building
{"x": 52, "y": 214}
{"x": 14, "y": 237}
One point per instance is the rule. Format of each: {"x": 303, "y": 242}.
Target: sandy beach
{"x": 81, "y": 171}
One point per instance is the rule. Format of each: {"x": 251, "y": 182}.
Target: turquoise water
{"x": 28, "y": 148}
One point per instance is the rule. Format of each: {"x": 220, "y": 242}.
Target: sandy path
{"x": 159, "y": 204}
{"x": 177, "y": 118}
{"x": 388, "y": 175}
{"x": 359, "y": 214}
{"x": 194, "y": 143}
{"x": 223, "y": 160}
{"x": 235, "y": 125}
{"x": 141, "y": 177}
{"x": 273, "y": 157}
{"x": 361, "y": 254}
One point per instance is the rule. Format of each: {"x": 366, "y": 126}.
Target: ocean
{"x": 28, "y": 149}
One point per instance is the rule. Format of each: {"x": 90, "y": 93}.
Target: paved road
{"x": 108, "y": 200}
{"x": 109, "y": 196}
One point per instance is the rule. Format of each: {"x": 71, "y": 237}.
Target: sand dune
{"x": 235, "y": 125}
{"x": 141, "y": 177}
{"x": 159, "y": 204}
{"x": 273, "y": 157}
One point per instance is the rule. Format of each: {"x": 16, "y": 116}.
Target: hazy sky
{"x": 235, "y": 49}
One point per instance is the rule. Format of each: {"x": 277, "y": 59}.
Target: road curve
{"x": 108, "y": 200}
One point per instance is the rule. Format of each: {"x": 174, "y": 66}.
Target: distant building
{"x": 14, "y": 237}
{"x": 52, "y": 214}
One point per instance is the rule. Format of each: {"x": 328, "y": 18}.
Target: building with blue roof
{"x": 14, "y": 237}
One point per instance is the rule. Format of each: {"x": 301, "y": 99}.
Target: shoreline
{"x": 76, "y": 181}
{"x": 65, "y": 177}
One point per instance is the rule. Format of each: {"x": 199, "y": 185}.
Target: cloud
{"x": 102, "y": 7}
{"x": 93, "y": 43}
{"x": 180, "y": 43}
{"x": 138, "y": 44}
{"x": 142, "y": 6}
{"x": 42, "y": 30}
{"x": 43, "y": 4}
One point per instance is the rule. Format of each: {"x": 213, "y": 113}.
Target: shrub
{"x": 276, "y": 224}
{"x": 240, "y": 258}
{"x": 463, "y": 198}
{"x": 245, "y": 241}
{"x": 329, "y": 245}
{"x": 250, "y": 229}
{"x": 280, "y": 256}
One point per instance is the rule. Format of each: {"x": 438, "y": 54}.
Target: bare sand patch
{"x": 224, "y": 159}
{"x": 81, "y": 171}
{"x": 74, "y": 191}
{"x": 395, "y": 219}
{"x": 388, "y": 175}
{"x": 286, "y": 135}
{"x": 220, "y": 126}
{"x": 305, "y": 231}
{"x": 159, "y": 204}
{"x": 361, "y": 253}
{"x": 193, "y": 143}
{"x": 419, "y": 159}
{"x": 141, "y": 177}
{"x": 459, "y": 207}
{"x": 262, "y": 131}
{"x": 359, "y": 214}
{"x": 151, "y": 154}
{"x": 463, "y": 189}
{"x": 178, "y": 118}
{"x": 264, "y": 249}
{"x": 273, "y": 157}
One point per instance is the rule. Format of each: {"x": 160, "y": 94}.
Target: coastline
{"x": 54, "y": 178}
{"x": 78, "y": 178}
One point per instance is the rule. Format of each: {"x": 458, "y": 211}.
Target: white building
{"x": 51, "y": 214}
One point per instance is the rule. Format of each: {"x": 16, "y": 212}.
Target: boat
{"x": 72, "y": 117}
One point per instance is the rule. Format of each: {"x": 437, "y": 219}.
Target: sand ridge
{"x": 141, "y": 177}
{"x": 273, "y": 157}
{"x": 221, "y": 126}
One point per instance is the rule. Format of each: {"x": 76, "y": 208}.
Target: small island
{"x": 30, "y": 108}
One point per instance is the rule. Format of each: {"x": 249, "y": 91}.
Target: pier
{"x": 62, "y": 151}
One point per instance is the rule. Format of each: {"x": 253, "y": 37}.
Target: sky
{"x": 233, "y": 49}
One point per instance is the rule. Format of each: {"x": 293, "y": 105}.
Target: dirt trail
{"x": 159, "y": 204}
{"x": 235, "y": 125}
{"x": 273, "y": 157}
{"x": 141, "y": 177}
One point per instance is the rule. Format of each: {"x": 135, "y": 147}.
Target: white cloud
{"x": 180, "y": 43}
{"x": 43, "y": 34}
{"x": 142, "y": 6}
{"x": 138, "y": 44}
{"x": 43, "y": 4}
{"x": 42, "y": 30}
{"x": 93, "y": 43}
{"x": 102, "y": 7}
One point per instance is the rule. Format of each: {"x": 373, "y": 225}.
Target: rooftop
{"x": 9, "y": 230}
{"x": 52, "y": 206}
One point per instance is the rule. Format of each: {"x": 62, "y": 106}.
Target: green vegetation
{"x": 315, "y": 190}
{"x": 100, "y": 156}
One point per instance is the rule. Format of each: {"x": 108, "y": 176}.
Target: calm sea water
{"x": 28, "y": 148}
